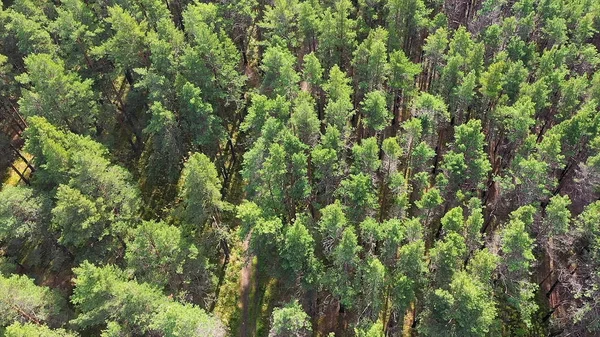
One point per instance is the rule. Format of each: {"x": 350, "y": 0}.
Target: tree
{"x": 474, "y": 225}
{"x": 297, "y": 251}
{"x": 290, "y": 320}
{"x": 262, "y": 109}
{"x": 31, "y": 35}
{"x": 104, "y": 294}
{"x": 358, "y": 194}
{"x": 331, "y": 225}
{"x": 366, "y": 156}
{"x": 199, "y": 193}
{"x": 304, "y": 120}
{"x": 339, "y": 105}
{"x": 409, "y": 273}
{"x": 199, "y": 123}
{"x": 466, "y": 164}
{"x": 186, "y": 320}
{"x": 95, "y": 201}
{"x": 309, "y": 20}
{"x": 279, "y": 166}
{"x": 370, "y": 61}
{"x": 98, "y": 205}
{"x": 431, "y": 110}
{"x": 22, "y": 301}
{"x": 558, "y": 215}
{"x": 453, "y": 220}
{"x": 517, "y": 249}
{"x": 375, "y": 111}
{"x": 22, "y": 213}
{"x": 447, "y": 257}
{"x": 372, "y": 287}
{"x": 337, "y": 34}
{"x": 462, "y": 310}
{"x": 402, "y": 73}
{"x": 211, "y": 60}
{"x": 312, "y": 71}
{"x": 58, "y": 95}
{"x": 326, "y": 163}
{"x": 280, "y": 77}
{"x": 164, "y": 256}
{"x": 375, "y": 330}
{"x": 127, "y": 48}
{"x": 33, "y": 330}
{"x": 585, "y": 307}
{"x": 280, "y": 23}
{"x": 161, "y": 160}
{"x": 342, "y": 278}
{"x": 404, "y": 19}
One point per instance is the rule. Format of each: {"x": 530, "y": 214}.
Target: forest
{"x": 299, "y": 168}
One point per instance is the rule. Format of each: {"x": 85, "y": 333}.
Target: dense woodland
{"x": 291, "y": 168}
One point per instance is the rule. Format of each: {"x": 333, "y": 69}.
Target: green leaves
{"x": 22, "y": 213}
{"x": 128, "y": 46}
{"x": 58, "y": 95}
{"x": 517, "y": 249}
{"x": 33, "y": 330}
{"x": 297, "y": 251}
{"x": 462, "y": 310}
{"x": 375, "y": 111}
{"x": 280, "y": 77}
{"x": 199, "y": 192}
{"x": 337, "y": 34}
{"x": 103, "y": 294}
{"x": 23, "y": 301}
{"x": 467, "y": 165}
{"x": 370, "y": 61}
{"x": 290, "y": 320}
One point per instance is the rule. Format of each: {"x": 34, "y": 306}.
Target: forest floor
{"x": 245, "y": 288}
{"x": 13, "y": 178}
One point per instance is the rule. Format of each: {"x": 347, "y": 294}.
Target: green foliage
{"x": 517, "y": 249}
{"x": 399, "y": 165}
{"x": 366, "y": 156}
{"x": 103, "y": 294}
{"x": 342, "y": 278}
{"x": 404, "y": 19}
{"x": 337, "y": 34}
{"x": 339, "y": 107}
{"x": 280, "y": 22}
{"x": 403, "y": 72}
{"x": 128, "y": 44}
{"x": 467, "y": 164}
{"x": 447, "y": 256}
{"x": 21, "y": 212}
{"x": 95, "y": 201}
{"x": 375, "y": 111}
{"x": 297, "y": 251}
{"x": 161, "y": 159}
{"x": 370, "y": 61}
{"x": 358, "y": 194}
{"x": 279, "y": 78}
{"x": 376, "y": 330}
{"x": 58, "y": 95}
{"x": 313, "y": 71}
{"x": 161, "y": 255}
{"x": 24, "y": 302}
{"x": 290, "y": 320}
{"x": 463, "y": 309}
{"x": 33, "y": 330}
{"x": 305, "y": 121}
{"x": 186, "y": 320}
{"x": 558, "y": 216}
{"x": 199, "y": 192}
